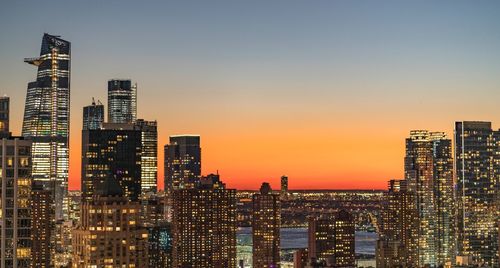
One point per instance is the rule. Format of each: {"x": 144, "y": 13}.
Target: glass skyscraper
{"x": 93, "y": 115}
{"x": 182, "y": 162}
{"x": 46, "y": 117}
{"x": 477, "y": 167}
{"x": 122, "y": 101}
{"x": 112, "y": 151}
{"x": 149, "y": 154}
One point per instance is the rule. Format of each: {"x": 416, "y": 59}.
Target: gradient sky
{"x": 322, "y": 91}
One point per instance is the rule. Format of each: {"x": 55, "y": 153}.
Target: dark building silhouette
{"x": 182, "y": 162}
{"x": 266, "y": 223}
{"x": 112, "y": 151}
{"x": 4, "y": 117}
{"x": 284, "y": 187}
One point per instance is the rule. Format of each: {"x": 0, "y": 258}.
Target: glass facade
{"x": 477, "y": 167}
{"x": 149, "y": 154}
{"x": 93, "y": 115}
{"x": 122, "y": 101}
{"x": 182, "y": 162}
{"x": 113, "y": 151}
{"x": 46, "y": 117}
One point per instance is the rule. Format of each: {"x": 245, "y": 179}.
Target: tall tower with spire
{"x": 46, "y": 117}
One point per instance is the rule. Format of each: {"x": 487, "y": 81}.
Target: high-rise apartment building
{"x": 331, "y": 240}
{"x": 429, "y": 175}
{"x": 266, "y": 223}
{"x": 182, "y": 162}
{"x": 477, "y": 168}
{"x": 112, "y": 151}
{"x": 4, "y": 117}
{"x": 149, "y": 154}
{"x": 398, "y": 242}
{"x": 110, "y": 233}
{"x": 15, "y": 213}
{"x": 46, "y": 117}
{"x": 122, "y": 101}
{"x": 204, "y": 225}
{"x": 42, "y": 226}
{"x": 93, "y": 115}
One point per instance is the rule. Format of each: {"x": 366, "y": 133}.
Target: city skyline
{"x": 282, "y": 99}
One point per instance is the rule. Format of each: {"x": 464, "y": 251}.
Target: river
{"x": 293, "y": 238}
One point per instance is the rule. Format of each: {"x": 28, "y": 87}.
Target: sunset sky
{"x": 322, "y": 91}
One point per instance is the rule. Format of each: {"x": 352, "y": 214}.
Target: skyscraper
{"x": 122, "y": 101}
{"x": 112, "y": 151}
{"x": 93, "y": 115}
{"x": 4, "y": 117}
{"x": 204, "y": 225}
{"x": 46, "y": 117}
{"x": 332, "y": 239}
{"x": 110, "y": 233}
{"x": 266, "y": 223}
{"x": 421, "y": 180}
{"x": 444, "y": 203}
{"x": 149, "y": 154}
{"x": 15, "y": 216}
{"x": 182, "y": 162}
{"x": 477, "y": 168}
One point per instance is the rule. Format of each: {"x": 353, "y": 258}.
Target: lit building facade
{"x": 204, "y": 225}
{"x": 477, "y": 168}
{"x": 112, "y": 151}
{"x": 46, "y": 117}
{"x": 266, "y": 223}
{"x": 182, "y": 162}
{"x": 15, "y": 216}
{"x": 331, "y": 240}
{"x": 93, "y": 115}
{"x": 149, "y": 154}
{"x": 160, "y": 245}
{"x": 42, "y": 226}
{"x": 429, "y": 175}
{"x": 122, "y": 101}
{"x": 110, "y": 233}
{"x": 398, "y": 242}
